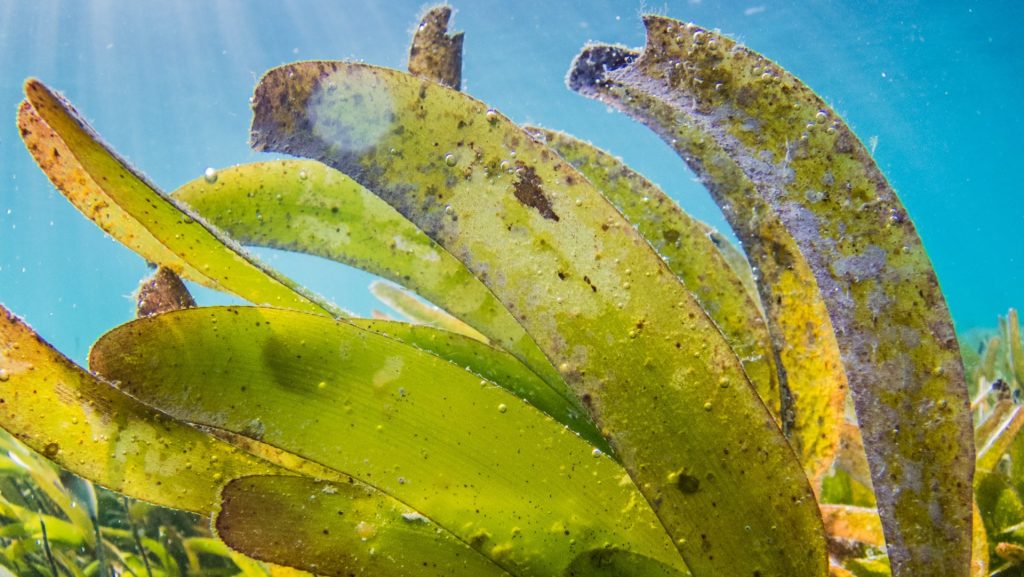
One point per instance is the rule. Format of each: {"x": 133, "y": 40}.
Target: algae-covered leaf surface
{"x": 814, "y": 384}
{"x": 517, "y": 486}
{"x": 333, "y": 529}
{"x": 656, "y": 374}
{"x": 435, "y": 53}
{"x": 98, "y": 432}
{"x": 132, "y": 210}
{"x": 304, "y": 206}
{"x": 690, "y": 253}
{"x": 727, "y": 109}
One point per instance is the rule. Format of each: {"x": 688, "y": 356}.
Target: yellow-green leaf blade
{"x": 334, "y": 529}
{"x": 892, "y": 324}
{"x": 99, "y": 433}
{"x": 305, "y": 206}
{"x": 658, "y": 376}
{"x": 126, "y": 206}
{"x": 494, "y": 365}
{"x": 516, "y": 485}
{"x": 689, "y": 252}
{"x": 419, "y": 312}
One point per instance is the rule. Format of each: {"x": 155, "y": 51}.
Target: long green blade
{"x": 494, "y": 365}
{"x": 307, "y": 207}
{"x": 654, "y": 371}
{"x": 517, "y": 486}
{"x": 729, "y": 110}
{"x": 688, "y": 251}
{"x": 98, "y": 432}
{"x": 334, "y": 529}
{"x": 125, "y": 205}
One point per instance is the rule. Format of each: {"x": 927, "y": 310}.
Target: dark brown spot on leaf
{"x": 529, "y": 191}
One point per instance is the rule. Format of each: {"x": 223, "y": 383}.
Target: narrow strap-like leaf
{"x": 307, "y": 207}
{"x": 419, "y": 312}
{"x": 125, "y": 205}
{"x": 511, "y": 482}
{"x": 727, "y": 109}
{"x": 656, "y": 374}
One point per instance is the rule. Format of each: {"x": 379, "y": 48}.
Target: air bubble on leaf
{"x": 450, "y": 159}
{"x": 210, "y": 174}
{"x": 4, "y": 376}
{"x": 303, "y": 175}
{"x": 492, "y": 115}
{"x": 596, "y": 452}
{"x": 502, "y": 408}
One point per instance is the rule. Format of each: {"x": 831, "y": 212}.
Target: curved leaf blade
{"x": 98, "y": 432}
{"x": 689, "y": 252}
{"x": 307, "y": 207}
{"x": 517, "y": 486}
{"x": 493, "y": 364}
{"x": 333, "y": 529}
{"x": 585, "y": 285}
{"x": 809, "y": 170}
{"x": 129, "y": 208}
{"x": 419, "y": 312}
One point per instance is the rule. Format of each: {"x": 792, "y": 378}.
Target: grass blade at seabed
{"x": 519, "y": 487}
{"x": 656, "y": 374}
{"x": 127, "y": 207}
{"x": 736, "y": 117}
{"x": 307, "y": 207}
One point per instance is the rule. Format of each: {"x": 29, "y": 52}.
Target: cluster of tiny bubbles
{"x": 210, "y": 174}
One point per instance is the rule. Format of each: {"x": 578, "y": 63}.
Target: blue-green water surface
{"x": 933, "y": 87}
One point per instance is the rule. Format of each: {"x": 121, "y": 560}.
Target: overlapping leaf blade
{"x": 517, "y": 486}
{"x": 125, "y": 205}
{"x": 656, "y": 374}
{"x": 307, "y": 207}
{"x": 734, "y": 115}
{"x": 690, "y": 253}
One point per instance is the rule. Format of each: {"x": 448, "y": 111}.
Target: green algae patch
{"x": 655, "y": 373}
{"x": 127, "y": 207}
{"x": 99, "y": 433}
{"x": 519, "y": 487}
{"x": 304, "y": 206}
{"x": 689, "y": 252}
{"x": 727, "y": 109}
{"x": 335, "y": 529}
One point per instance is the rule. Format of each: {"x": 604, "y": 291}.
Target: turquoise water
{"x": 934, "y": 84}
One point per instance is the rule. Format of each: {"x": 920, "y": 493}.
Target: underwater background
{"x": 932, "y": 87}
